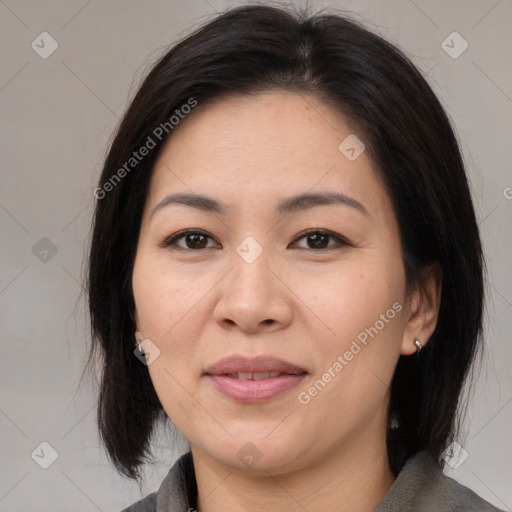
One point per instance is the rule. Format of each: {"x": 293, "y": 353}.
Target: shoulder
{"x": 177, "y": 491}
{"x": 423, "y": 487}
{"x": 147, "y": 504}
{"x": 454, "y": 496}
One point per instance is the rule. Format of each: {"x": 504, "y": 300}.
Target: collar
{"x": 421, "y": 486}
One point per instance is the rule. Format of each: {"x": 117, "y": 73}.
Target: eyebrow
{"x": 291, "y": 204}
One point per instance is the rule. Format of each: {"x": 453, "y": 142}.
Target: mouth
{"x": 255, "y": 375}
{"x": 254, "y": 379}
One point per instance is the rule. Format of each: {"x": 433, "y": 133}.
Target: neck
{"x": 356, "y": 478}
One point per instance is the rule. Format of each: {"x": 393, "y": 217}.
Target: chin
{"x": 247, "y": 454}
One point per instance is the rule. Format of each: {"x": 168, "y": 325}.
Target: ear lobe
{"x": 424, "y": 309}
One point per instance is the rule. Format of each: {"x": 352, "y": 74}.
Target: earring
{"x": 139, "y": 345}
{"x": 418, "y": 345}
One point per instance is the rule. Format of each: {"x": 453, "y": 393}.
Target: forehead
{"x": 267, "y": 145}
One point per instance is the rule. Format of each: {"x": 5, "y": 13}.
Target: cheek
{"x": 359, "y": 340}
{"x": 352, "y": 304}
{"x": 164, "y": 297}
{"x": 164, "y": 303}
{"x": 171, "y": 314}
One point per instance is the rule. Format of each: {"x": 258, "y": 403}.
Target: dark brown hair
{"x": 248, "y": 50}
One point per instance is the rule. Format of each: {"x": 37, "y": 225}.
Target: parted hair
{"x": 254, "y": 49}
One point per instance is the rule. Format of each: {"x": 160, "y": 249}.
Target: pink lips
{"x": 254, "y": 379}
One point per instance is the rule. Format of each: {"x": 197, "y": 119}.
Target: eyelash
{"x": 171, "y": 241}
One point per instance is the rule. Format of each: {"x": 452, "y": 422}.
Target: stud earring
{"x": 418, "y": 345}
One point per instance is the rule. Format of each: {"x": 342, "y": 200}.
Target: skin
{"x": 295, "y": 301}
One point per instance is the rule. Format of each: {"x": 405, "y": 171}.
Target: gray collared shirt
{"x": 421, "y": 486}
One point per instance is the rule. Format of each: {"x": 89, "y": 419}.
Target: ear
{"x": 423, "y": 309}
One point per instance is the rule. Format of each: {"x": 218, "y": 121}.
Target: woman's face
{"x": 325, "y": 312}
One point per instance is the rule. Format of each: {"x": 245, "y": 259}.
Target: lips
{"x": 254, "y": 379}
{"x": 257, "y": 366}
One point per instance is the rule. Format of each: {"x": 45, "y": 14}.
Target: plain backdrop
{"x": 57, "y": 116}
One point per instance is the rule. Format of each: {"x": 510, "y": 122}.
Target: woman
{"x": 284, "y": 233}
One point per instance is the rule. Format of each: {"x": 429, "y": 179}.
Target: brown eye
{"x": 192, "y": 240}
{"x": 316, "y": 239}
{"x": 197, "y": 240}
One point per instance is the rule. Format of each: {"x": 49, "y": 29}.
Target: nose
{"x": 253, "y": 297}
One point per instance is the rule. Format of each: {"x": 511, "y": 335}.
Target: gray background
{"x": 58, "y": 114}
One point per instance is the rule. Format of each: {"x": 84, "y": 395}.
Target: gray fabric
{"x": 421, "y": 486}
